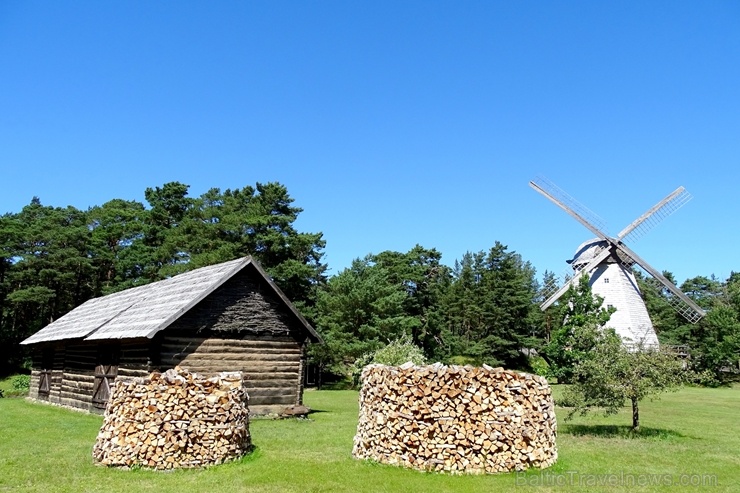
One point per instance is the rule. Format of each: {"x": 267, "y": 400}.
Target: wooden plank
{"x": 250, "y": 376}
{"x": 179, "y": 350}
{"x": 69, "y": 376}
{"x": 229, "y": 358}
{"x": 219, "y": 359}
{"x": 272, "y": 392}
{"x": 218, "y": 367}
{"x": 73, "y": 401}
{"x": 286, "y": 400}
{"x": 73, "y": 396}
{"x": 252, "y": 342}
{"x": 219, "y": 338}
{"x": 271, "y": 383}
{"x": 131, "y": 372}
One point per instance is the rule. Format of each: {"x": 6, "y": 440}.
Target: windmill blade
{"x": 684, "y": 305}
{"x": 577, "y": 275}
{"x": 570, "y": 205}
{"x": 654, "y": 215}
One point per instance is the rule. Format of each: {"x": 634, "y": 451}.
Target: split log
{"x": 174, "y": 419}
{"x": 455, "y": 419}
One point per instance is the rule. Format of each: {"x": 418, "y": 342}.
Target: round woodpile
{"x": 174, "y": 419}
{"x": 455, "y": 419}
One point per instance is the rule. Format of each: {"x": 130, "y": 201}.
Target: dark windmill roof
{"x": 145, "y": 310}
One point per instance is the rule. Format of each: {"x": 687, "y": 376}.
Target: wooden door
{"x": 47, "y": 364}
{"x": 44, "y": 383}
{"x": 105, "y": 374}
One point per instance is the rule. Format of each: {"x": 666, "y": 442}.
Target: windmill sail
{"x": 570, "y": 205}
{"x": 684, "y": 305}
{"x": 654, "y": 215}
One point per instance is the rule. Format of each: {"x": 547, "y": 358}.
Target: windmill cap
{"x": 587, "y": 251}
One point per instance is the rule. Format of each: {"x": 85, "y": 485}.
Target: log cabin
{"x": 225, "y": 317}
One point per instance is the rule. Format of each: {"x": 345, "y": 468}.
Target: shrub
{"x": 21, "y": 383}
{"x": 464, "y": 360}
{"x": 397, "y": 352}
{"x": 539, "y": 366}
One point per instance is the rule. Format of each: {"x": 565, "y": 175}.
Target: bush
{"x": 539, "y": 366}
{"x": 396, "y": 353}
{"x": 21, "y": 383}
{"x": 568, "y": 398}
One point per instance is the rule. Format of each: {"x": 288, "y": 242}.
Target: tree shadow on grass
{"x": 616, "y": 431}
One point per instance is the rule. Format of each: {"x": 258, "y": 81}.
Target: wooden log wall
{"x": 47, "y": 358}
{"x": 57, "y": 373}
{"x": 135, "y": 358}
{"x": 271, "y": 365}
{"x": 79, "y": 375}
{"x": 73, "y": 369}
{"x": 36, "y": 367}
{"x": 33, "y": 386}
{"x": 455, "y": 419}
{"x": 242, "y": 326}
{"x": 176, "y": 419}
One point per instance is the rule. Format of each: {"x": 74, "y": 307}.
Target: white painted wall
{"x": 618, "y": 287}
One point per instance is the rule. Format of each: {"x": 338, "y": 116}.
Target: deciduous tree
{"x": 617, "y": 374}
{"x": 581, "y": 318}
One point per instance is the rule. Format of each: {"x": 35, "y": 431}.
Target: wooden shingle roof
{"x": 145, "y": 310}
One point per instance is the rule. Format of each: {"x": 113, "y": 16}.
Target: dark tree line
{"x": 483, "y": 309}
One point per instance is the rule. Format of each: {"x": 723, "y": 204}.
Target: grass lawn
{"x": 691, "y": 432}
{"x": 6, "y": 386}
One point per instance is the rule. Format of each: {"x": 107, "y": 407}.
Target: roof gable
{"x": 145, "y": 310}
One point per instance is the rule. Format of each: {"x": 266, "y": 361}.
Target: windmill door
{"x": 105, "y": 374}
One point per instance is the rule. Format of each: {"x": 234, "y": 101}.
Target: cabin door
{"x": 47, "y": 364}
{"x": 106, "y": 372}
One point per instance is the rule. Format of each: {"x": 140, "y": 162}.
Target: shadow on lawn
{"x": 615, "y": 431}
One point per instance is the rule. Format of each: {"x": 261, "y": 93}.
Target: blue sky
{"x": 391, "y": 123}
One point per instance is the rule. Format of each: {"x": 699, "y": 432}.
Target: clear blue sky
{"x": 391, "y": 123}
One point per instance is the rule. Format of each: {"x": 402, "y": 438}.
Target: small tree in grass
{"x": 617, "y": 373}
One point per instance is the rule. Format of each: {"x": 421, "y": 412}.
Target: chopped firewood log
{"x": 174, "y": 419}
{"x": 455, "y": 419}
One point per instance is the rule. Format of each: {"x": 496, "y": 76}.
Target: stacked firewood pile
{"x": 174, "y": 419}
{"x": 455, "y": 419}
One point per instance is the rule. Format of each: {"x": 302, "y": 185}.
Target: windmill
{"x": 611, "y": 265}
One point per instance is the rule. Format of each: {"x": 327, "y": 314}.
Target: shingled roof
{"x": 145, "y": 310}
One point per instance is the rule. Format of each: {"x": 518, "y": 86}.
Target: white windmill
{"x": 610, "y": 265}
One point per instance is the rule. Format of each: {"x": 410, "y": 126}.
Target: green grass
{"x": 6, "y": 386}
{"x": 694, "y": 431}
